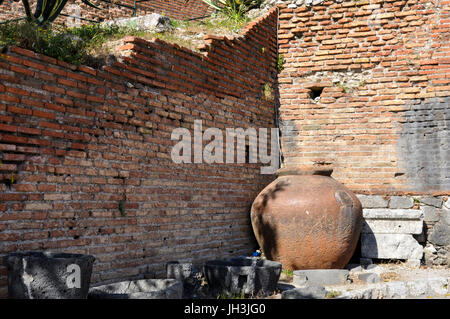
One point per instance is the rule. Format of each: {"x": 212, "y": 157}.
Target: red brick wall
{"x": 177, "y": 9}
{"x": 383, "y": 116}
{"x": 79, "y": 141}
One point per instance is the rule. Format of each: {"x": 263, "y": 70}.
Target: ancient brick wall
{"x": 366, "y": 86}
{"x": 86, "y": 153}
{"x": 177, "y": 9}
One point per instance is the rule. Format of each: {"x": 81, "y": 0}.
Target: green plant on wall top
{"x": 47, "y": 10}
{"x": 234, "y": 9}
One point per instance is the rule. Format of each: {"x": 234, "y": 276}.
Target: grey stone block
{"x": 430, "y": 214}
{"x": 440, "y": 234}
{"x": 431, "y": 201}
{"x": 47, "y": 275}
{"x": 311, "y": 292}
{"x": 139, "y": 289}
{"x": 392, "y": 226}
{"x": 370, "y": 278}
{"x": 390, "y": 246}
{"x": 401, "y": 202}
{"x": 188, "y": 273}
{"x": 153, "y": 21}
{"x": 243, "y": 274}
{"x": 372, "y": 201}
{"x": 321, "y": 276}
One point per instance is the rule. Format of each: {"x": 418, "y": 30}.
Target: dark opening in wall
{"x": 315, "y": 92}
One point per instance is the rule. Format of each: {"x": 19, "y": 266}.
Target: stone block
{"x": 390, "y": 246}
{"x": 372, "y": 201}
{"x": 401, "y": 202}
{"x": 139, "y": 289}
{"x": 187, "y": 273}
{"x": 153, "y": 21}
{"x": 321, "y": 276}
{"x": 392, "y": 214}
{"x": 392, "y": 221}
{"x": 385, "y": 226}
{"x": 431, "y": 201}
{"x": 370, "y": 278}
{"x": 440, "y": 235}
{"x": 430, "y": 214}
{"x": 311, "y": 292}
{"x": 48, "y": 275}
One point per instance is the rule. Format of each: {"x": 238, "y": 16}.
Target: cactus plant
{"x": 47, "y": 10}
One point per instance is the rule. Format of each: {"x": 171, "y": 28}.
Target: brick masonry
{"x": 365, "y": 86}
{"x": 177, "y": 9}
{"x": 89, "y": 152}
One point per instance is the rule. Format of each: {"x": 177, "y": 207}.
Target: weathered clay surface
{"x": 307, "y": 222}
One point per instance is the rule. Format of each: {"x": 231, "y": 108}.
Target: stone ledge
{"x": 405, "y": 214}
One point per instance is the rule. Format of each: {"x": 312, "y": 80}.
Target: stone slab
{"x": 430, "y": 214}
{"x": 153, "y": 21}
{"x": 312, "y": 292}
{"x": 440, "y": 235}
{"x": 388, "y": 226}
{"x": 431, "y": 201}
{"x": 48, "y": 275}
{"x": 396, "y": 214}
{"x": 372, "y": 201}
{"x": 401, "y": 202}
{"x": 390, "y": 246}
{"x": 139, "y": 289}
{"x": 321, "y": 276}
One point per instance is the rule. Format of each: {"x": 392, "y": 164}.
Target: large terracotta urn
{"x": 307, "y": 220}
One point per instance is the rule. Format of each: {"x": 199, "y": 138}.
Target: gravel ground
{"x": 392, "y": 272}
